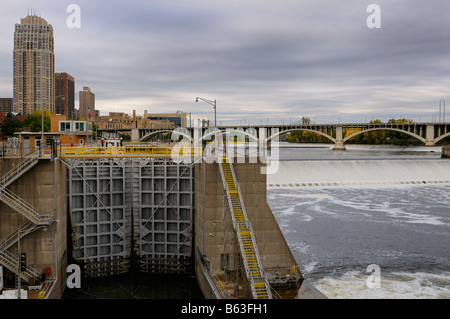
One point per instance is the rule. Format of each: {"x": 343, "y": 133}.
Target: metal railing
{"x": 9, "y": 260}
{"x": 25, "y": 208}
{"x": 11, "y": 239}
{"x": 130, "y": 151}
{"x": 253, "y": 266}
{"x": 14, "y": 173}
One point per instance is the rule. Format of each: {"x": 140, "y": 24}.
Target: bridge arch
{"x": 423, "y": 140}
{"x": 300, "y": 129}
{"x": 228, "y": 131}
{"x": 146, "y": 137}
{"x": 437, "y": 139}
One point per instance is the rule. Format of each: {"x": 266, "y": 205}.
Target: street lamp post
{"x": 19, "y": 288}
{"x": 42, "y": 128}
{"x": 213, "y": 103}
{"x": 440, "y": 105}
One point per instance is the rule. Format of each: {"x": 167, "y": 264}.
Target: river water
{"x": 386, "y": 208}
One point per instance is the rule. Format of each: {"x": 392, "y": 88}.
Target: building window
{"x": 64, "y": 126}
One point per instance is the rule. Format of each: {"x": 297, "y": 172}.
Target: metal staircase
{"x": 35, "y": 218}
{"x": 9, "y": 260}
{"x": 25, "y": 208}
{"x": 25, "y": 165}
{"x": 253, "y": 267}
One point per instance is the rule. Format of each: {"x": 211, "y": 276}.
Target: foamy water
{"x": 396, "y": 285}
{"x": 336, "y": 231}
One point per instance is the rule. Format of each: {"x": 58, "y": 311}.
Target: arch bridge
{"x": 427, "y": 133}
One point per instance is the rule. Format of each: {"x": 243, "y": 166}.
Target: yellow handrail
{"x": 130, "y": 151}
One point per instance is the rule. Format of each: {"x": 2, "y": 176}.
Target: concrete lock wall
{"x": 214, "y": 236}
{"x": 44, "y": 187}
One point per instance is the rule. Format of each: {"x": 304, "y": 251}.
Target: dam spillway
{"x": 307, "y": 173}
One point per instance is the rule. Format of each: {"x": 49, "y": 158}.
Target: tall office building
{"x": 65, "y": 94}
{"x": 87, "y": 104}
{"x": 34, "y": 66}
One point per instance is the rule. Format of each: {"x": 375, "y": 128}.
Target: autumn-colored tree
{"x": 371, "y": 137}
{"x": 34, "y": 121}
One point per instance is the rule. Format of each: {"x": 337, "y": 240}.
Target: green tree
{"x": 34, "y": 121}
{"x": 9, "y": 126}
{"x": 385, "y": 136}
{"x": 94, "y": 131}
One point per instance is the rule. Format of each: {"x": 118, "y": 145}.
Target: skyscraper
{"x": 34, "y": 66}
{"x": 87, "y": 104}
{"x": 65, "y": 94}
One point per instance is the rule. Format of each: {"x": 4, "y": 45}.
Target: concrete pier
{"x": 339, "y": 143}
{"x": 446, "y": 151}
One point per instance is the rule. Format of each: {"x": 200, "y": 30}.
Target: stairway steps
{"x": 248, "y": 252}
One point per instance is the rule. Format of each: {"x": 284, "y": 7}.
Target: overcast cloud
{"x": 276, "y": 60}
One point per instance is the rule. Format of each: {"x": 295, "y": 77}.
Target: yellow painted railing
{"x": 252, "y": 263}
{"x": 130, "y": 151}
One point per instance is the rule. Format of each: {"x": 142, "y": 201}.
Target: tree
{"x": 34, "y": 121}
{"x": 9, "y": 126}
{"x": 306, "y": 137}
{"x": 94, "y": 131}
{"x": 385, "y": 136}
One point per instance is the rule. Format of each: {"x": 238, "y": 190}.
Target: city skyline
{"x": 281, "y": 61}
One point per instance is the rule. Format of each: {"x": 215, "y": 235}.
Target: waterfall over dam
{"x": 306, "y": 173}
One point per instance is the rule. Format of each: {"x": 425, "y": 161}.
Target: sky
{"x": 262, "y": 61}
